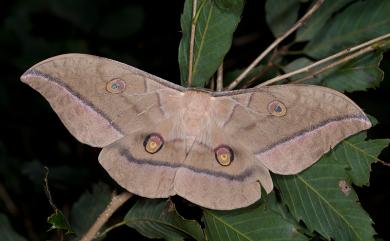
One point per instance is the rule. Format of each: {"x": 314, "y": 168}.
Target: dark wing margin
{"x": 316, "y": 119}
{"x": 75, "y": 86}
{"x": 82, "y": 118}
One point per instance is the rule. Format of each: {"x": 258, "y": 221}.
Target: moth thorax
{"x": 196, "y": 112}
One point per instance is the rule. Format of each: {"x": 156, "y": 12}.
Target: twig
{"x": 298, "y": 24}
{"x": 220, "y": 78}
{"x": 276, "y": 54}
{"x": 192, "y": 42}
{"x": 334, "y": 64}
{"x": 384, "y": 163}
{"x": 212, "y": 83}
{"x": 320, "y": 62}
{"x": 116, "y": 202}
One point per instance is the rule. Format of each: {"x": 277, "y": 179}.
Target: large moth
{"x": 215, "y": 149}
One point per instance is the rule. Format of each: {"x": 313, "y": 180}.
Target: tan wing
{"x": 206, "y": 182}
{"x": 202, "y": 180}
{"x": 305, "y": 122}
{"x": 78, "y": 87}
{"x": 140, "y": 172}
{"x": 186, "y": 165}
{"x": 314, "y": 120}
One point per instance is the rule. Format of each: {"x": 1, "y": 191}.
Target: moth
{"x": 215, "y": 149}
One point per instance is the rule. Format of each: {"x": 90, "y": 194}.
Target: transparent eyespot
{"x": 224, "y": 155}
{"x": 116, "y": 86}
{"x": 153, "y": 143}
{"x": 277, "y": 108}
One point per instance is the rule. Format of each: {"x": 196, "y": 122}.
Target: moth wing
{"x": 100, "y": 100}
{"x": 142, "y": 173}
{"x": 289, "y": 127}
{"x": 205, "y": 181}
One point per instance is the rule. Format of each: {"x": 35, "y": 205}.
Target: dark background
{"x": 144, "y": 34}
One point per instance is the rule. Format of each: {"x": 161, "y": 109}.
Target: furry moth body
{"x": 215, "y": 149}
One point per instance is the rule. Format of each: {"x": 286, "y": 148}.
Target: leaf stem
{"x": 116, "y": 202}
{"x": 220, "y": 78}
{"x": 192, "y": 42}
{"x": 371, "y": 45}
{"x": 111, "y": 228}
{"x": 297, "y": 25}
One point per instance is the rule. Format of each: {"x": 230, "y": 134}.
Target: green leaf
{"x": 359, "y": 154}
{"x": 59, "y": 221}
{"x": 360, "y": 22}
{"x": 356, "y": 75}
{"x": 297, "y": 64}
{"x": 315, "y": 197}
{"x": 158, "y": 218}
{"x": 213, "y": 38}
{"x": 281, "y": 15}
{"x": 229, "y": 5}
{"x": 6, "y": 231}
{"x": 87, "y": 209}
{"x": 315, "y": 24}
{"x": 372, "y": 119}
{"x": 276, "y": 206}
{"x": 257, "y": 222}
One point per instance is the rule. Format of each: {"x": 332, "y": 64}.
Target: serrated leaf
{"x": 89, "y": 206}
{"x": 281, "y": 15}
{"x": 316, "y": 198}
{"x": 356, "y": 75}
{"x": 213, "y": 38}
{"x": 359, "y": 22}
{"x": 257, "y": 222}
{"x": 276, "y": 206}
{"x": 315, "y": 24}
{"x": 6, "y": 231}
{"x": 359, "y": 154}
{"x": 158, "y": 218}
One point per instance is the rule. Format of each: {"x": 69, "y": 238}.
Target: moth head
{"x": 224, "y": 155}
{"x": 277, "y": 108}
{"x": 153, "y": 143}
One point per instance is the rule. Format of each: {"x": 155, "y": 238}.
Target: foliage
{"x": 214, "y": 33}
{"x": 260, "y": 221}
{"x": 87, "y": 209}
{"x": 358, "y": 74}
{"x": 321, "y": 203}
{"x": 158, "y": 218}
{"x": 359, "y": 22}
